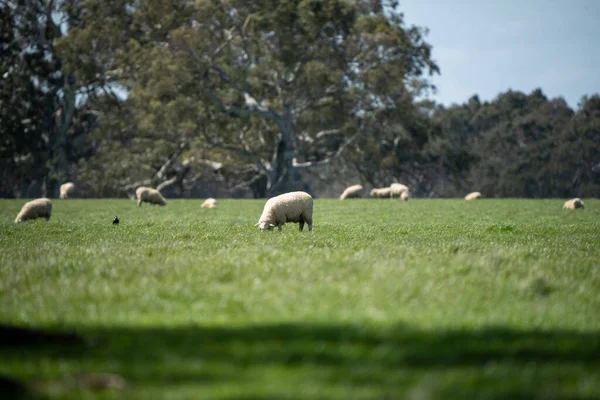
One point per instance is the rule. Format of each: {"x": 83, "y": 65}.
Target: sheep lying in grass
{"x": 473, "y": 196}
{"x": 351, "y": 192}
{"x": 66, "y": 190}
{"x": 381, "y": 193}
{"x": 209, "y": 203}
{"x": 573, "y": 204}
{"x": 148, "y": 195}
{"x": 398, "y": 190}
{"x": 38, "y": 208}
{"x": 288, "y": 207}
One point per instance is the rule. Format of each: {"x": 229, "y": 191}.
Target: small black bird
{"x": 116, "y": 220}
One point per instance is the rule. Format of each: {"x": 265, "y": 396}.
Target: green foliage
{"x": 518, "y": 146}
{"x": 116, "y": 95}
{"x": 43, "y": 120}
{"x": 194, "y": 69}
{"x": 435, "y": 298}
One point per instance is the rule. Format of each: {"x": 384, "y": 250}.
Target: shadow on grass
{"x": 11, "y": 388}
{"x": 485, "y": 363}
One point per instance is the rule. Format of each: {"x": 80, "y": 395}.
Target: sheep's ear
{"x": 256, "y": 224}
{"x": 271, "y": 225}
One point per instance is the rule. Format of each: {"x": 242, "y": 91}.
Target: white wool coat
{"x": 38, "y": 208}
{"x": 294, "y": 207}
{"x": 148, "y": 195}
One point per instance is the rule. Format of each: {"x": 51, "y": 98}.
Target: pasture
{"x": 425, "y": 299}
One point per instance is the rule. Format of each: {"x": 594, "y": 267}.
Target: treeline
{"x": 517, "y": 145}
{"x": 235, "y": 98}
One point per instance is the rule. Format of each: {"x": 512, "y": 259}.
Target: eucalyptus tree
{"x": 269, "y": 87}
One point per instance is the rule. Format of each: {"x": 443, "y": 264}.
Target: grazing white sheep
{"x": 66, "y": 190}
{"x": 573, "y": 204}
{"x": 288, "y": 207}
{"x": 148, "y": 195}
{"x": 209, "y": 203}
{"x": 381, "y": 193}
{"x": 38, "y": 208}
{"x": 353, "y": 191}
{"x": 473, "y": 196}
{"x": 399, "y": 190}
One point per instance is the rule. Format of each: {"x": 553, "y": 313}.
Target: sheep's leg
{"x": 301, "y": 225}
{"x": 280, "y": 227}
{"x": 309, "y": 222}
{"x": 139, "y": 202}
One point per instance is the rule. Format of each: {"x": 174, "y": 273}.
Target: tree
{"x": 575, "y": 161}
{"x": 517, "y": 135}
{"x": 43, "y": 124}
{"x": 501, "y": 148}
{"x": 449, "y": 151}
{"x": 280, "y": 87}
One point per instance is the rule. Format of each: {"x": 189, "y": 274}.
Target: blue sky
{"x": 486, "y": 47}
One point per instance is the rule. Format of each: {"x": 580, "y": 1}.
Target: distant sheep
{"x": 398, "y": 190}
{"x": 66, "y": 190}
{"x": 351, "y": 192}
{"x": 473, "y": 196}
{"x": 381, "y": 193}
{"x": 148, "y": 195}
{"x": 573, "y": 204}
{"x": 38, "y": 208}
{"x": 288, "y": 207}
{"x": 209, "y": 203}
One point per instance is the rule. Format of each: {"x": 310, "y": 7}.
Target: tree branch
{"x": 137, "y": 184}
{"x": 244, "y": 113}
{"x": 178, "y": 178}
{"x": 328, "y": 132}
{"x": 328, "y": 160}
{"x": 162, "y": 172}
{"x": 248, "y": 182}
{"x": 256, "y": 110}
{"x": 244, "y": 153}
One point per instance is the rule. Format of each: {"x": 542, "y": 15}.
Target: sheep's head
{"x": 265, "y": 226}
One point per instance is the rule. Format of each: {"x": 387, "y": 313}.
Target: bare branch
{"x": 214, "y": 165}
{"x": 161, "y": 173}
{"x": 167, "y": 183}
{"x": 244, "y": 113}
{"x": 248, "y": 182}
{"x": 135, "y": 185}
{"x": 272, "y": 187}
{"x": 328, "y": 132}
{"x": 246, "y": 22}
{"x": 328, "y": 160}
{"x": 244, "y": 153}
{"x": 225, "y": 43}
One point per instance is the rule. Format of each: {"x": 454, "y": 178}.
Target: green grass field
{"x": 425, "y": 299}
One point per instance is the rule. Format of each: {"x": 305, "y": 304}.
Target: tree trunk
{"x": 59, "y": 171}
{"x": 282, "y": 165}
